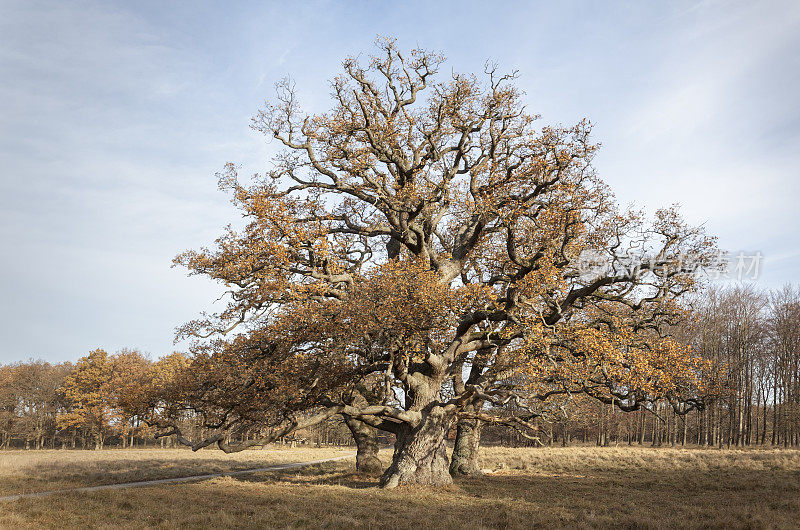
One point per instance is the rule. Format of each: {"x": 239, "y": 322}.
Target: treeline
{"x": 102, "y": 400}
{"x": 753, "y": 335}
{"x": 756, "y": 336}
{"x": 85, "y": 404}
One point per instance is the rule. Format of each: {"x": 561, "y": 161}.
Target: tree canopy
{"x": 426, "y": 236}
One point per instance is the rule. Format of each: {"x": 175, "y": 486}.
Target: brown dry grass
{"x": 32, "y": 471}
{"x": 566, "y": 488}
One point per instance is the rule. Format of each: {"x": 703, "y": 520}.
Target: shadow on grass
{"x": 334, "y": 496}
{"x": 338, "y": 474}
{"x": 732, "y": 498}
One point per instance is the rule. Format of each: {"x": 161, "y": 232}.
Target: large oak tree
{"x": 426, "y": 236}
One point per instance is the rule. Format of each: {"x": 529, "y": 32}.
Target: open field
{"x": 550, "y": 487}
{"x": 32, "y": 471}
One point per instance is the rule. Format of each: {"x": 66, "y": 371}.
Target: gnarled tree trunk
{"x": 366, "y": 438}
{"x": 420, "y": 452}
{"x": 465, "y": 451}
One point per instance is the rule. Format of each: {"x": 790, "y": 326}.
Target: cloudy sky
{"x": 116, "y": 115}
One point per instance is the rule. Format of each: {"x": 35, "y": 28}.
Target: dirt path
{"x": 277, "y": 467}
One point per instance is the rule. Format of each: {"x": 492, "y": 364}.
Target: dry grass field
{"x": 32, "y": 471}
{"x": 582, "y": 487}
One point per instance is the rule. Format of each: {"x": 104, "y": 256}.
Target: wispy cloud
{"x": 117, "y": 115}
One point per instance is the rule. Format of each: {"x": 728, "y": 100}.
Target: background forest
{"x": 753, "y": 335}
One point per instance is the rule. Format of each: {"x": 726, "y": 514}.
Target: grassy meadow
{"x": 576, "y": 487}
{"x": 33, "y": 471}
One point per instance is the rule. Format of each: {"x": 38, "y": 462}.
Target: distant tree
{"x": 9, "y": 403}
{"x": 34, "y": 387}
{"x": 130, "y": 373}
{"x": 163, "y": 400}
{"x": 88, "y": 393}
{"x": 784, "y": 339}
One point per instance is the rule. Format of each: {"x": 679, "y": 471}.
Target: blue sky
{"x": 116, "y": 115}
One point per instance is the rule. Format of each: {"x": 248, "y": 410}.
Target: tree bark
{"x": 420, "y": 452}
{"x": 465, "y": 451}
{"x": 366, "y": 438}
